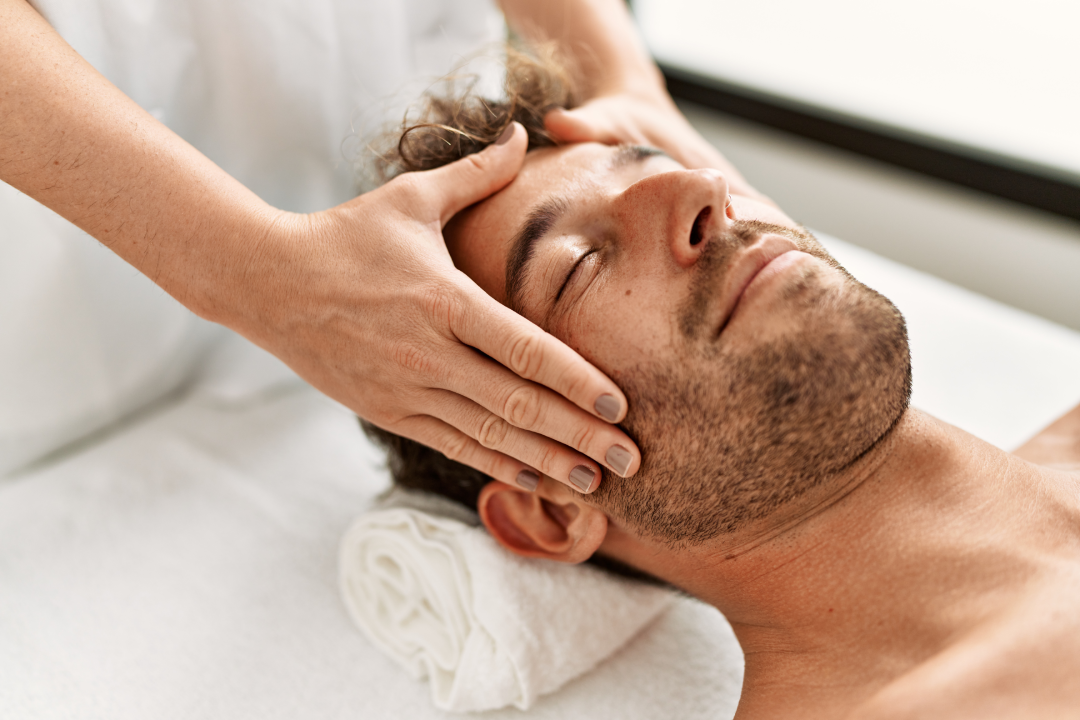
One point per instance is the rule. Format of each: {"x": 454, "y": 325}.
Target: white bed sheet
{"x": 184, "y": 563}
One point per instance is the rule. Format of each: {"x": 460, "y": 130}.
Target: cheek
{"x": 627, "y": 324}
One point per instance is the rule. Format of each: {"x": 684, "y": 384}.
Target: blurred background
{"x": 944, "y": 134}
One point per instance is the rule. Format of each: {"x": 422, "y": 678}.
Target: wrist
{"x": 244, "y": 262}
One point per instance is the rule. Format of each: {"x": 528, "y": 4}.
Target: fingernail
{"x": 618, "y": 459}
{"x": 607, "y": 407}
{"x": 582, "y": 477}
{"x": 528, "y": 480}
{"x": 506, "y": 135}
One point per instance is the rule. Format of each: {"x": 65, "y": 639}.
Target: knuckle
{"x": 493, "y": 432}
{"x": 457, "y": 447}
{"x": 414, "y": 359}
{"x": 526, "y": 355}
{"x": 547, "y": 461}
{"x": 522, "y": 407}
{"x": 583, "y": 438}
{"x": 477, "y": 163}
{"x": 576, "y": 385}
{"x": 440, "y": 304}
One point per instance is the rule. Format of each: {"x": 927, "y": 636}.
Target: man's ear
{"x": 551, "y": 523}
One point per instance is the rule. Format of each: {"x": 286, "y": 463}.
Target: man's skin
{"x": 936, "y": 576}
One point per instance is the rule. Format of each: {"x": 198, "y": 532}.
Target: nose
{"x": 687, "y": 209}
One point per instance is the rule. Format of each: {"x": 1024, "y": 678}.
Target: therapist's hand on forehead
{"x": 361, "y": 300}
{"x": 410, "y": 343}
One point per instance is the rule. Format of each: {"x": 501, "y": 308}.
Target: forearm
{"x": 75, "y": 143}
{"x": 599, "y": 35}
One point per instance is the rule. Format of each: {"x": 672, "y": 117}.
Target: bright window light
{"x": 995, "y": 76}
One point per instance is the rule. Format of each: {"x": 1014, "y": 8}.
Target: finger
{"x": 536, "y": 451}
{"x": 539, "y": 451}
{"x": 573, "y": 126}
{"x": 532, "y": 354}
{"x": 542, "y": 428}
{"x": 456, "y": 186}
{"x": 461, "y": 448}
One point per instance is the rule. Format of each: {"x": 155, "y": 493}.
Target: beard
{"x": 732, "y": 432}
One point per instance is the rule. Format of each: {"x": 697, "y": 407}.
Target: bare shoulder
{"x": 1024, "y": 664}
{"x": 1056, "y": 446}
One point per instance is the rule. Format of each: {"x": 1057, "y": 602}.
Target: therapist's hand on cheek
{"x": 377, "y": 317}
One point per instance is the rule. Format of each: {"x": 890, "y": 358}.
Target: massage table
{"x": 183, "y": 561}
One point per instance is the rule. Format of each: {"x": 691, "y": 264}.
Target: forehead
{"x": 479, "y": 238}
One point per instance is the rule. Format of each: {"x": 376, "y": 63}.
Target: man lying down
{"x": 872, "y": 560}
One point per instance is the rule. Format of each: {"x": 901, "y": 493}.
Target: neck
{"x": 929, "y": 534}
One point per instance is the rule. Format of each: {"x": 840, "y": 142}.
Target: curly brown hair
{"x": 454, "y": 121}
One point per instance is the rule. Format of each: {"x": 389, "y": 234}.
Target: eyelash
{"x": 570, "y": 275}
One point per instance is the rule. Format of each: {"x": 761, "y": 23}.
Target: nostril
{"x": 697, "y": 232}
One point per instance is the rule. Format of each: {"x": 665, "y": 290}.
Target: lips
{"x": 745, "y": 268}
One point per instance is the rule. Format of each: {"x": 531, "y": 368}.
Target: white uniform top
{"x": 277, "y": 93}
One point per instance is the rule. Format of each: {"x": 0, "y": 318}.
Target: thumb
{"x": 574, "y": 126}
{"x": 474, "y": 177}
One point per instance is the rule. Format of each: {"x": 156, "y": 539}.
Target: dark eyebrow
{"x": 523, "y": 247}
{"x": 544, "y": 216}
{"x": 627, "y": 154}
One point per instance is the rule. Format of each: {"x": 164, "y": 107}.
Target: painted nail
{"x": 607, "y": 407}
{"x": 528, "y": 480}
{"x": 618, "y": 458}
{"x": 582, "y": 477}
{"x": 506, "y": 135}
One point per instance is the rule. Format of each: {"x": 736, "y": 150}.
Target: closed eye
{"x": 570, "y": 274}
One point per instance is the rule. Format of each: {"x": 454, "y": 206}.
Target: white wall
{"x": 1023, "y": 257}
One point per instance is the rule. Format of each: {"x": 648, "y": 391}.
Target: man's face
{"x": 755, "y": 366}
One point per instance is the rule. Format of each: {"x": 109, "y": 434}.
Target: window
{"x": 992, "y": 81}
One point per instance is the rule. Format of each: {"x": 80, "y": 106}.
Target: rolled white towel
{"x": 488, "y": 628}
